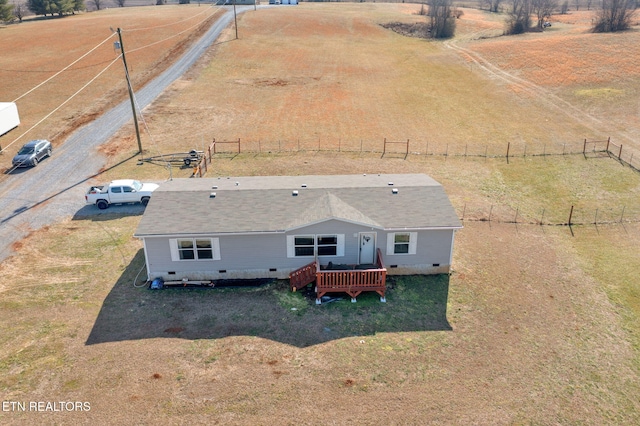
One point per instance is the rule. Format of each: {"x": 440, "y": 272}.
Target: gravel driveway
{"x": 35, "y": 197}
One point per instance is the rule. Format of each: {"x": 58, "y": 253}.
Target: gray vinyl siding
{"x": 265, "y": 255}
{"x": 433, "y": 246}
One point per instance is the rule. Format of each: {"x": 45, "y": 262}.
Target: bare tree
{"x": 589, "y": 4}
{"x": 543, "y": 9}
{"x": 576, "y": 3}
{"x": 120, "y": 3}
{"x": 493, "y": 5}
{"x": 19, "y": 9}
{"x": 615, "y": 15}
{"x": 441, "y": 19}
{"x": 519, "y": 17}
{"x": 564, "y": 7}
{"x": 97, "y": 4}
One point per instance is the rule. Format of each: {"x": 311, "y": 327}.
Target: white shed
{"x": 9, "y": 117}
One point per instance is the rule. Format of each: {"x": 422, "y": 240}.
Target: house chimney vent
{"x": 212, "y": 195}
{"x": 304, "y": 185}
{"x": 294, "y": 193}
{"x": 394, "y": 190}
{"x": 390, "y": 184}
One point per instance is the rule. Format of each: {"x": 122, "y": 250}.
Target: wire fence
{"x": 405, "y": 148}
{"x": 558, "y": 216}
{"x": 567, "y": 216}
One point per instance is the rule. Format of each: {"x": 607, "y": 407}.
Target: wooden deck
{"x": 344, "y": 279}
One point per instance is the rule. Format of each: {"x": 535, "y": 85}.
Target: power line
{"x": 63, "y": 103}
{"x": 174, "y": 23}
{"x": 172, "y": 36}
{"x": 64, "y": 69}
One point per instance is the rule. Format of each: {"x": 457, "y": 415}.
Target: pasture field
{"x": 537, "y": 324}
{"x": 46, "y": 64}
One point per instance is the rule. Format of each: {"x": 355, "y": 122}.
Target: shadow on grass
{"x": 92, "y": 212}
{"x": 270, "y": 311}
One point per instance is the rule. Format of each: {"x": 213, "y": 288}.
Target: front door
{"x": 367, "y": 247}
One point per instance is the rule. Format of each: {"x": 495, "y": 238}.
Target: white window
{"x": 401, "y": 243}
{"x": 315, "y": 245}
{"x": 195, "y": 249}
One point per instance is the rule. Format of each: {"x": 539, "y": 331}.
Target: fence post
{"x": 490, "y": 211}
{"x": 384, "y": 147}
{"x": 570, "y": 215}
{"x": 584, "y": 147}
{"x": 622, "y": 214}
{"x": 608, "y": 140}
{"x": 620, "y": 153}
{"x": 508, "y": 146}
{"x": 595, "y": 220}
{"x": 542, "y": 217}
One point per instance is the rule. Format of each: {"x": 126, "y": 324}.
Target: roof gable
{"x": 330, "y": 206}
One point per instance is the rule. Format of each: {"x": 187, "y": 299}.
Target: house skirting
{"x": 224, "y": 274}
{"x": 283, "y": 273}
{"x": 426, "y": 269}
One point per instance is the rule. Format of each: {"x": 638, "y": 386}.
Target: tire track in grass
{"x": 540, "y": 94}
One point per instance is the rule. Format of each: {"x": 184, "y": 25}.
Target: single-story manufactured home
{"x": 271, "y": 227}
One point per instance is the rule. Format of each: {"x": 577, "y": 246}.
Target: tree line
{"x": 18, "y": 9}
{"x": 529, "y": 15}
{"x": 522, "y": 15}
{"x": 611, "y": 16}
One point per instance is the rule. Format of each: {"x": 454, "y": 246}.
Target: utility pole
{"x": 235, "y": 19}
{"x": 133, "y": 104}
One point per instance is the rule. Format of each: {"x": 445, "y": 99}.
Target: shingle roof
{"x": 267, "y": 204}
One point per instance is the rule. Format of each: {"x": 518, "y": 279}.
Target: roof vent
{"x": 394, "y": 190}
{"x": 390, "y": 184}
{"x": 212, "y": 195}
{"x": 304, "y": 185}
{"x": 294, "y": 193}
{"x": 214, "y": 187}
{"x": 237, "y": 183}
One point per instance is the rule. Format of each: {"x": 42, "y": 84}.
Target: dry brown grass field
{"x": 35, "y": 51}
{"x": 536, "y": 324}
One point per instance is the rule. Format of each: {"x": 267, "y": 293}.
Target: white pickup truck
{"x": 119, "y": 192}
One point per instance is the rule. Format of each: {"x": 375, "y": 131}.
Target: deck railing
{"x": 304, "y": 275}
{"x": 352, "y": 281}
